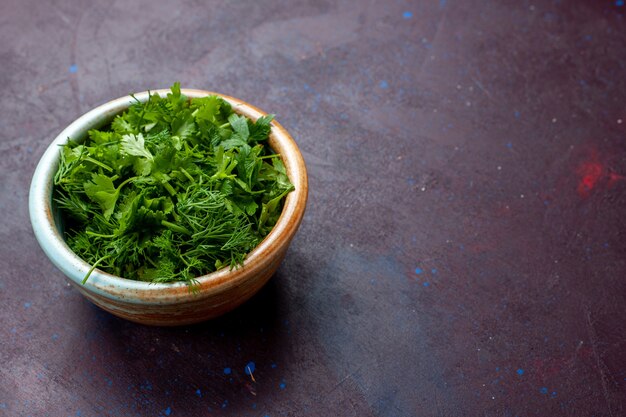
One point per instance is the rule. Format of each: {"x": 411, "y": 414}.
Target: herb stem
{"x": 90, "y": 233}
{"x": 169, "y": 188}
{"x": 175, "y": 228}
{"x": 119, "y": 187}
{"x": 94, "y": 267}
{"x": 100, "y": 164}
{"x": 186, "y": 174}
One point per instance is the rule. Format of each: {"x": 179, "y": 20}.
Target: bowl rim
{"x": 112, "y": 286}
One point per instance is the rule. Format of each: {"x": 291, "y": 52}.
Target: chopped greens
{"x": 173, "y": 189}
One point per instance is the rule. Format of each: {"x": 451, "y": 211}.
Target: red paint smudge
{"x": 613, "y": 178}
{"x": 481, "y": 247}
{"x": 590, "y": 174}
{"x": 593, "y": 173}
{"x": 545, "y": 369}
{"x": 502, "y": 209}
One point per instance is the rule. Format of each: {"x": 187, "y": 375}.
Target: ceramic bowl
{"x": 173, "y": 303}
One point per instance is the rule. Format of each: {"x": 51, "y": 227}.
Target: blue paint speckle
{"x": 517, "y": 114}
{"x": 78, "y": 414}
{"x": 509, "y": 145}
{"x": 250, "y": 367}
{"x": 199, "y": 393}
{"x": 619, "y": 3}
{"x": 383, "y": 84}
{"x": 55, "y": 336}
{"x": 27, "y": 305}
{"x": 225, "y": 404}
{"x": 407, "y": 15}
{"x": 418, "y": 271}
{"x": 73, "y": 68}
{"x": 168, "y": 411}
{"x": 274, "y": 366}
{"x": 442, "y": 4}
{"x": 426, "y": 284}
{"x": 553, "y": 394}
{"x": 497, "y": 368}
{"x": 3, "y": 406}
{"x": 227, "y": 371}
{"x": 434, "y": 270}
{"x": 520, "y": 371}
{"x": 282, "y": 384}
{"x": 543, "y": 390}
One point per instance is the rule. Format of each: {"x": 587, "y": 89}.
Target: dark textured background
{"x": 464, "y": 248}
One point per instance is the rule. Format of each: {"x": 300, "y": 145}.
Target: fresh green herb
{"x": 172, "y": 190}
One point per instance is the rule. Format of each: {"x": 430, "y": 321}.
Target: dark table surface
{"x": 464, "y": 247}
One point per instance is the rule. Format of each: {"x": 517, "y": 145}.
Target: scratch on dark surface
{"x": 344, "y": 379}
{"x": 64, "y": 18}
{"x": 436, "y": 34}
{"x": 107, "y": 67}
{"x": 98, "y": 39}
{"x": 439, "y": 25}
{"x": 74, "y": 80}
{"x": 51, "y": 84}
{"x": 576, "y": 352}
{"x": 482, "y": 88}
{"x": 593, "y": 339}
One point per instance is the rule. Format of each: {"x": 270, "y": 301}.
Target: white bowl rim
{"x": 108, "y": 285}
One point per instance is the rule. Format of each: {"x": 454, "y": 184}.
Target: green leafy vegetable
{"x": 173, "y": 189}
{"x": 135, "y": 145}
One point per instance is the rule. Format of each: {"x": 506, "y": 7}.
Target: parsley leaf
{"x": 260, "y": 129}
{"x": 102, "y": 191}
{"x": 240, "y": 126}
{"x": 135, "y": 145}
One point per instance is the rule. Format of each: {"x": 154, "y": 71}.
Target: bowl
{"x": 172, "y": 303}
